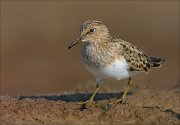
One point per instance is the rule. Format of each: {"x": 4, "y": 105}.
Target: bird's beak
{"x": 75, "y": 42}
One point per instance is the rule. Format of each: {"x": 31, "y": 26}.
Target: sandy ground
{"x": 144, "y": 106}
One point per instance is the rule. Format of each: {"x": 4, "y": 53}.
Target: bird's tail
{"x": 154, "y": 61}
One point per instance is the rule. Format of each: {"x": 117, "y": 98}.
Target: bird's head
{"x": 91, "y": 31}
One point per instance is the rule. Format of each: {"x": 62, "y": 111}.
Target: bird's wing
{"x": 135, "y": 58}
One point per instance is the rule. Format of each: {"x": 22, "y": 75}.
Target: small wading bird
{"x": 107, "y": 57}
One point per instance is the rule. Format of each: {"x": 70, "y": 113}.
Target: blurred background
{"x": 35, "y": 36}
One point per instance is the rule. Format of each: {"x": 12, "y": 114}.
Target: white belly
{"x": 117, "y": 70}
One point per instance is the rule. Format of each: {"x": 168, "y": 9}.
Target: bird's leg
{"x": 123, "y": 98}
{"x": 91, "y": 102}
{"x": 126, "y": 91}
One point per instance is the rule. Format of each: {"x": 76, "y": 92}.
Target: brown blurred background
{"x": 35, "y": 36}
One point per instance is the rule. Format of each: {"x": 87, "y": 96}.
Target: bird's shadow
{"x": 76, "y": 97}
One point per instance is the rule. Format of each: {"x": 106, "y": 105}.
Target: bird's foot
{"x": 87, "y": 104}
{"x": 120, "y": 100}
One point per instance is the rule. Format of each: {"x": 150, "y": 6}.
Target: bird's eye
{"x": 92, "y": 30}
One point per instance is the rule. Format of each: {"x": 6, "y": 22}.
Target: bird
{"x": 108, "y": 57}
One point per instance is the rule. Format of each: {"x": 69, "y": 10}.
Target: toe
{"x": 121, "y": 100}
{"x": 82, "y": 103}
{"x": 87, "y": 104}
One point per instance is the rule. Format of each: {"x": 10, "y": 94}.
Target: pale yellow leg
{"x": 123, "y": 98}
{"x": 126, "y": 91}
{"x": 94, "y": 93}
{"x": 91, "y": 102}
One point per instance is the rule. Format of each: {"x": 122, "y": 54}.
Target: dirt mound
{"x": 143, "y": 107}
